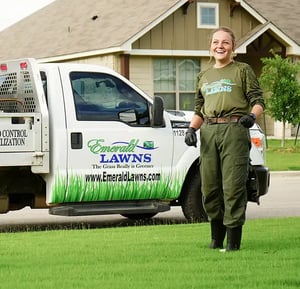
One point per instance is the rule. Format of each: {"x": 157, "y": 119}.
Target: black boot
{"x": 234, "y": 236}
{"x": 218, "y": 232}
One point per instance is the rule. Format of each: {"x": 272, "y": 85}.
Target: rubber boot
{"x": 234, "y": 236}
{"x": 218, "y": 232}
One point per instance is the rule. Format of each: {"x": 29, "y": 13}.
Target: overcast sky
{"x": 14, "y": 10}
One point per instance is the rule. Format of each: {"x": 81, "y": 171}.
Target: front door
{"x": 113, "y": 152}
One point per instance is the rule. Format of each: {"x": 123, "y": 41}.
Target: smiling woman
{"x": 228, "y": 100}
{"x": 15, "y": 10}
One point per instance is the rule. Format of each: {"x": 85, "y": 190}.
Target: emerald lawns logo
{"x": 122, "y": 152}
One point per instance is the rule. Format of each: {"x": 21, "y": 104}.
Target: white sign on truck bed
{"x": 83, "y": 140}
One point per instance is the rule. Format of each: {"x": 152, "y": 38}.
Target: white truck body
{"x": 82, "y": 140}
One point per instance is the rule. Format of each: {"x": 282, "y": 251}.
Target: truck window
{"x": 103, "y": 97}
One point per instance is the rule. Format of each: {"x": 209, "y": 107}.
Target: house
{"x": 159, "y": 45}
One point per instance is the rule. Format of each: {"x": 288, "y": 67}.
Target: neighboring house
{"x": 159, "y": 45}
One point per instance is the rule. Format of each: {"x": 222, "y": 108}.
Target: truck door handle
{"x": 76, "y": 140}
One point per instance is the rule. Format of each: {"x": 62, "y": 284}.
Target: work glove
{"x": 248, "y": 120}
{"x": 191, "y": 137}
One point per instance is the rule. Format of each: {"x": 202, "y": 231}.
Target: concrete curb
{"x": 285, "y": 173}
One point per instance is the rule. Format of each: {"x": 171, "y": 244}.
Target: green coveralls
{"x": 225, "y": 148}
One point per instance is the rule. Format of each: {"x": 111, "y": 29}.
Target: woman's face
{"x": 222, "y": 47}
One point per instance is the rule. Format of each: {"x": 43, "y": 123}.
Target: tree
{"x": 279, "y": 81}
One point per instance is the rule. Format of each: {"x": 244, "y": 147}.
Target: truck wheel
{"x": 191, "y": 201}
{"x": 135, "y": 217}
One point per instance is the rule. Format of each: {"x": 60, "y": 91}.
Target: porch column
{"x": 124, "y": 59}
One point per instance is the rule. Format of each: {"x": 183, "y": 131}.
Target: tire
{"x": 136, "y": 217}
{"x": 191, "y": 201}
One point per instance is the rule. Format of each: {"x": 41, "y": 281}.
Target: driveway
{"x": 282, "y": 200}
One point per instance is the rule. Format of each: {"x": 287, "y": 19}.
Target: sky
{"x": 13, "y": 11}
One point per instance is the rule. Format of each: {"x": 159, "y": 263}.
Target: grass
{"x": 283, "y": 159}
{"x": 166, "y": 256}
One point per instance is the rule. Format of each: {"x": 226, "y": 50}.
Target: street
{"x": 282, "y": 200}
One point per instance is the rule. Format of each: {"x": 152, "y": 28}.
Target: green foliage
{"x": 279, "y": 81}
{"x": 165, "y": 256}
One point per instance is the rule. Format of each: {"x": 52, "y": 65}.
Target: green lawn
{"x": 165, "y": 256}
{"x": 283, "y": 159}
{"x": 161, "y": 256}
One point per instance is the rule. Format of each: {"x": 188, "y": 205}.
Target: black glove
{"x": 248, "y": 120}
{"x": 191, "y": 137}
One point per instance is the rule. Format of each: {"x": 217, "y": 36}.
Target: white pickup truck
{"x": 83, "y": 140}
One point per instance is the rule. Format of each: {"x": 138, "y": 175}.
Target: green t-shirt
{"x": 226, "y": 91}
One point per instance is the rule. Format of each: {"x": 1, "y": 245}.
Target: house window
{"x": 207, "y": 15}
{"x": 175, "y": 82}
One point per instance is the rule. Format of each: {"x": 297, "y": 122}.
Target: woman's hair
{"x": 225, "y": 29}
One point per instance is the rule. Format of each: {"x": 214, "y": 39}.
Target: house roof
{"x": 242, "y": 43}
{"x": 72, "y": 26}
{"x": 66, "y": 28}
{"x": 283, "y": 14}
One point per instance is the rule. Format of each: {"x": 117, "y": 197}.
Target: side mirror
{"x": 157, "y": 112}
{"x": 128, "y": 116}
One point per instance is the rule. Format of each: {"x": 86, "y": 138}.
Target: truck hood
{"x": 183, "y": 115}
{"x": 180, "y": 118}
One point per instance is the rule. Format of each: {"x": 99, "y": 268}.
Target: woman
{"x": 228, "y": 101}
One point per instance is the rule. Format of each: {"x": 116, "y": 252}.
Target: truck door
{"x": 113, "y": 152}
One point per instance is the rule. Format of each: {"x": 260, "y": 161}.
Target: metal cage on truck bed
{"x": 24, "y": 129}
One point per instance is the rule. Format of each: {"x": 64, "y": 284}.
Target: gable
{"x": 283, "y": 14}
{"x": 179, "y": 31}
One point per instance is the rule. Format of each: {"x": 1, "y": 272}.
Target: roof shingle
{"x": 67, "y": 26}
{"x": 284, "y": 14}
